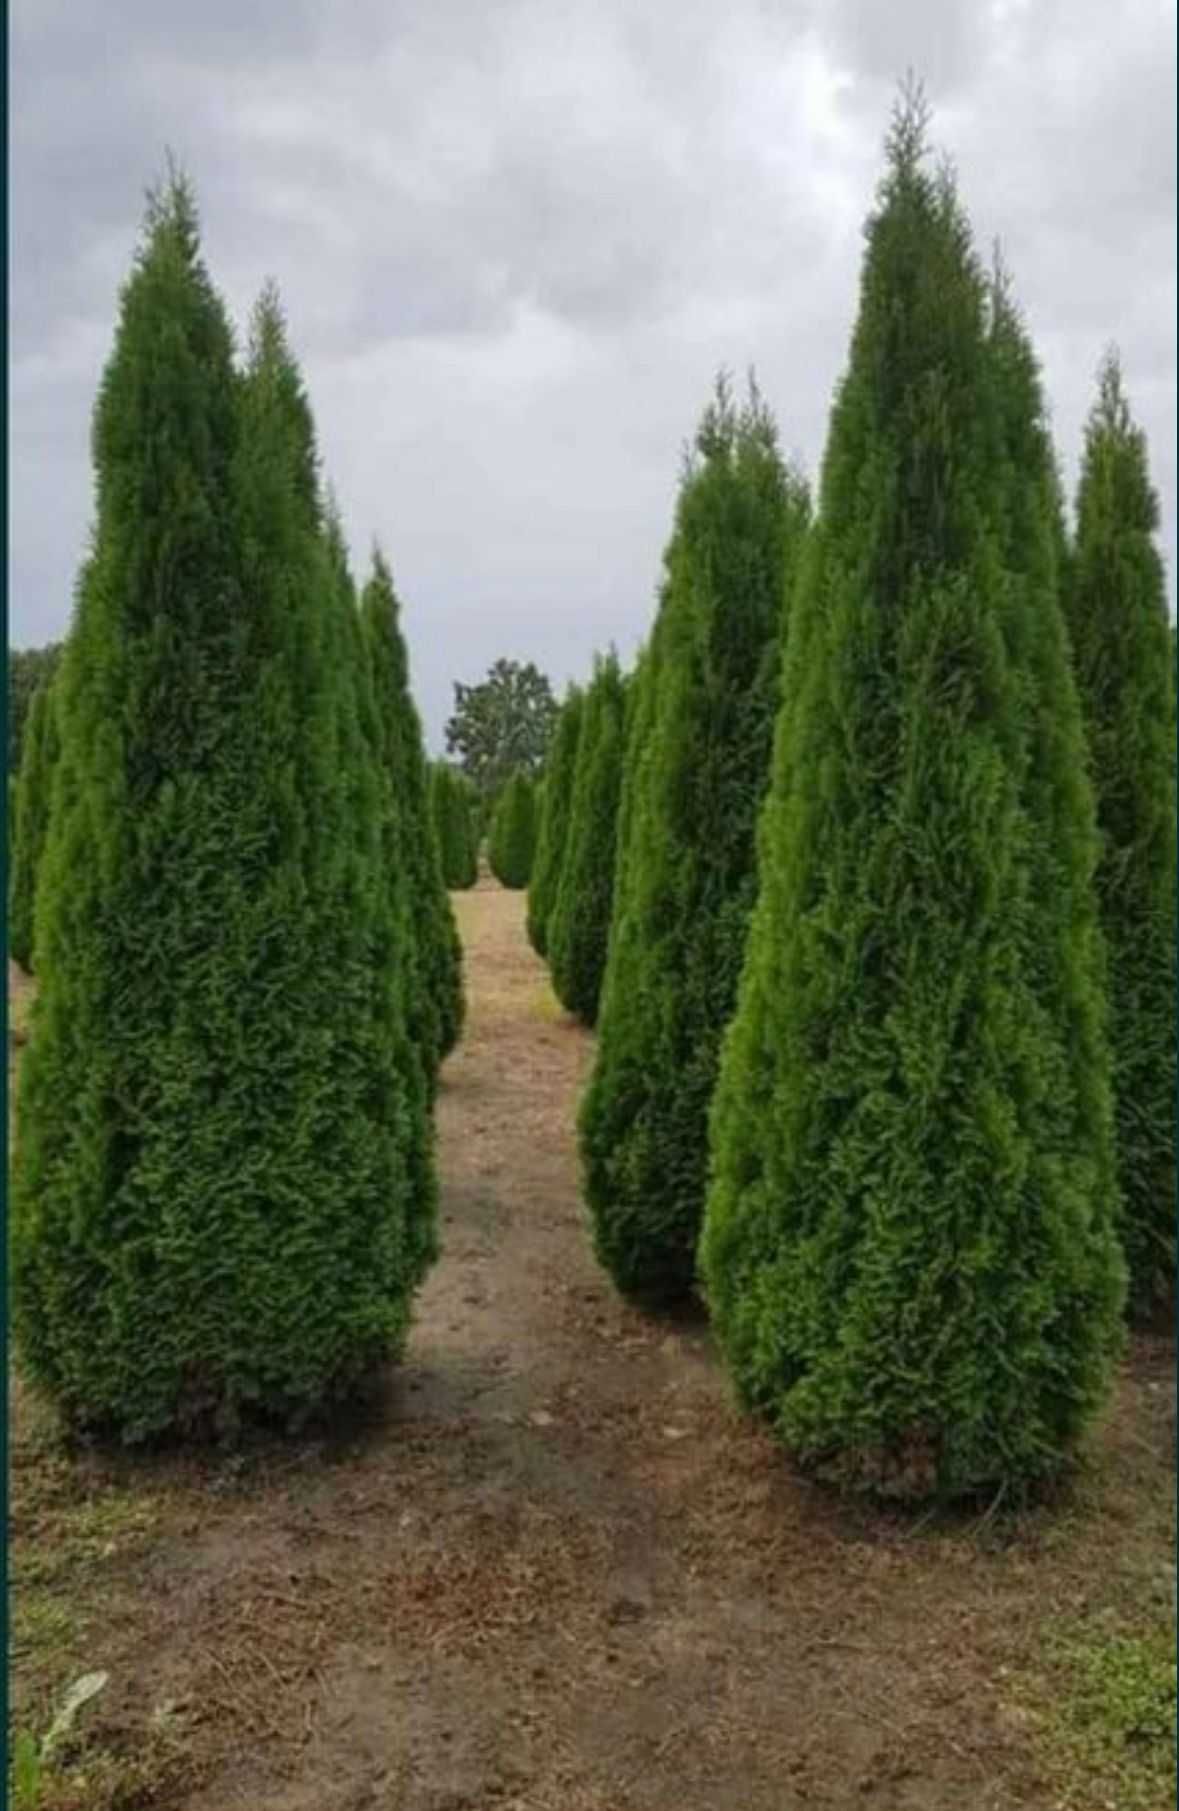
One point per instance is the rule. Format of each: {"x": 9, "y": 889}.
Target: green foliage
{"x": 1103, "y": 1710}
{"x": 436, "y": 1000}
{"x": 375, "y": 824}
{"x": 578, "y": 926}
{"x": 1124, "y": 652}
{"x": 217, "y": 1142}
{"x": 909, "y": 1245}
{"x": 554, "y": 819}
{"x": 503, "y": 725}
{"x": 678, "y": 937}
{"x": 452, "y": 808}
{"x": 31, "y": 800}
{"x": 512, "y": 837}
{"x": 28, "y": 670}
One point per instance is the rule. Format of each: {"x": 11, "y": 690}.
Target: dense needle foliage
{"x": 217, "y": 1145}
{"x": 578, "y": 927}
{"x": 1124, "y": 651}
{"x": 454, "y": 807}
{"x": 511, "y": 839}
{"x": 678, "y": 937}
{"x": 553, "y": 830}
{"x": 909, "y": 1246}
{"x": 436, "y": 1000}
{"x": 31, "y": 799}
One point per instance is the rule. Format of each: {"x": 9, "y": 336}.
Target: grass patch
{"x": 1103, "y": 1709}
{"x": 81, "y": 1536}
{"x": 90, "y": 1775}
{"x": 545, "y": 1005}
{"x": 40, "y": 1625}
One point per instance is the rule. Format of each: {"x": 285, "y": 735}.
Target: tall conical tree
{"x": 451, "y": 812}
{"x": 909, "y": 1244}
{"x": 468, "y": 793}
{"x": 1124, "y": 656}
{"x": 1068, "y": 962}
{"x": 380, "y": 876}
{"x": 677, "y": 944}
{"x": 554, "y": 821}
{"x": 364, "y": 900}
{"x": 578, "y": 928}
{"x": 511, "y": 840}
{"x": 31, "y": 801}
{"x": 642, "y": 692}
{"x": 436, "y": 1015}
{"x": 211, "y": 1177}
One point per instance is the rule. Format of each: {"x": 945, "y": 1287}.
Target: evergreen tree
{"x": 578, "y": 928}
{"x": 474, "y": 806}
{"x": 512, "y": 836}
{"x": 1068, "y": 961}
{"x": 1124, "y": 652}
{"x": 366, "y": 932}
{"x": 450, "y": 809}
{"x": 677, "y": 942}
{"x": 436, "y": 1011}
{"x": 31, "y": 801}
{"x": 554, "y": 819}
{"x": 382, "y": 881}
{"x": 212, "y": 1170}
{"x": 909, "y": 1244}
{"x": 28, "y": 670}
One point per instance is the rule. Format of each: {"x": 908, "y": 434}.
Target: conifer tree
{"x": 212, "y": 1170}
{"x": 578, "y": 927}
{"x": 472, "y": 800}
{"x": 554, "y": 819}
{"x": 364, "y": 900}
{"x": 512, "y": 835}
{"x": 678, "y": 939}
{"x": 451, "y": 811}
{"x": 381, "y": 880}
{"x": 31, "y": 801}
{"x": 909, "y": 1246}
{"x": 1124, "y": 652}
{"x": 436, "y": 1013}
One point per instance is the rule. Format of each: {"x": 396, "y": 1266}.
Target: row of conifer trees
{"x": 885, "y": 1066}
{"x": 227, "y": 877}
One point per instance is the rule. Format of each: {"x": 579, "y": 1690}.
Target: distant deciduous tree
{"x": 503, "y": 725}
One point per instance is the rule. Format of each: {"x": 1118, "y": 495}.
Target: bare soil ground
{"x": 554, "y": 1570}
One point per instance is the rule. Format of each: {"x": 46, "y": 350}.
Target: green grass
{"x": 40, "y": 1625}
{"x": 1103, "y": 1706}
{"x": 545, "y": 1005}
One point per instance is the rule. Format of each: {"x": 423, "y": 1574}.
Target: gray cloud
{"x": 516, "y": 242}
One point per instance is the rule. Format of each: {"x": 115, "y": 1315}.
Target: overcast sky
{"x": 515, "y": 241}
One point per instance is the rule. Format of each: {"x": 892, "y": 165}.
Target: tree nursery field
{"x": 552, "y": 1568}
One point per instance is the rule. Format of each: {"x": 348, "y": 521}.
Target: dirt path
{"x": 556, "y": 1571}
